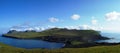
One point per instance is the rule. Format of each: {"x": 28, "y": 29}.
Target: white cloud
{"x": 37, "y": 28}
{"x": 52, "y": 19}
{"x": 75, "y": 17}
{"x": 29, "y": 29}
{"x": 79, "y": 27}
{"x": 94, "y": 22}
{"x": 112, "y": 16}
{"x": 51, "y": 26}
{"x": 26, "y": 27}
{"x": 88, "y": 27}
{"x": 72, "y": 27}
{"x": 95, "y": 28}
{"x": 85, "y": 27}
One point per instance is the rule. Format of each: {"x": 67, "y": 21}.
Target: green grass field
{"x": 97, "y": 49}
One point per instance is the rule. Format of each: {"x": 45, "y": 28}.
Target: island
{"x": 71, "y": 37}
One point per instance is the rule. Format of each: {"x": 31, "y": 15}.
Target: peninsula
{"x": 62, "y": 35}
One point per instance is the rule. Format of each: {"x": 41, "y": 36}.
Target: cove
{"x": 30, "y": 44}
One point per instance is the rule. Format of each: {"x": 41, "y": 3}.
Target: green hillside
{"x": 97, "y": 49}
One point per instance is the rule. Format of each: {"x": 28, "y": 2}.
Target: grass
{"x": 97, "y": 49}
{"x": 76, "y": 42}
{"x": 25, "y": 34}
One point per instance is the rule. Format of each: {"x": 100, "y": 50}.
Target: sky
{"x": 101, "y": 15}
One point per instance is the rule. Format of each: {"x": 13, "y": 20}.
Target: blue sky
{"x": 100, "y": 14}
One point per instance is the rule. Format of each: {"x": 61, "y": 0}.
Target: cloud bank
{"x": 112, "y": 16}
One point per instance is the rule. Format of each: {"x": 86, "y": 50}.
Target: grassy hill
{"x": 97, "y": 49}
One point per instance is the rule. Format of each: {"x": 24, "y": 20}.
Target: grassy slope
{"x": 97, "y": 49}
